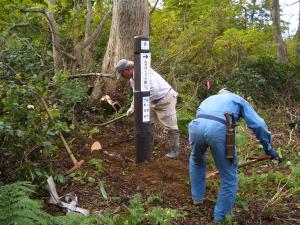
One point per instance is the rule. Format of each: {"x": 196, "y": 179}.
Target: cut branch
{"x": 92, "y": 74}
{"x": 18, "y": 25}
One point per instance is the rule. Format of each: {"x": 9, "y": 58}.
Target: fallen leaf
{"x": 96, "y": 146}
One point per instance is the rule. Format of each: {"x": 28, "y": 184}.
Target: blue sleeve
{"x": 257, "y": 125}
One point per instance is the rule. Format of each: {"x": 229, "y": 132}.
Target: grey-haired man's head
{"x": 122, "y": 65}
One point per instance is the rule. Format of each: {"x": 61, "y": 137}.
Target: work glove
{"x": 271, "y": 152}
{"x": 279, "y": 157}
{"x": 130, "y": 111}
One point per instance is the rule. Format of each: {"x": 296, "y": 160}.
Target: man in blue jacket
{"x": 209, "y": 130}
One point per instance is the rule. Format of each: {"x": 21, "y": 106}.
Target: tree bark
{"x": 129, "y": 18}
{"x": 58, "y": 59}
{"x": 281, "y": 50}
{"x": 87, "y": 57}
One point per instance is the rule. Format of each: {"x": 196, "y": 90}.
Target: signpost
{"x": 142, "y": 68}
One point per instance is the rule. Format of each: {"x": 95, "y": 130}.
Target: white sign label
{"x": 144, "y": 45}
{"x": 145, "y": 71}
{"x": 146, "y": 109}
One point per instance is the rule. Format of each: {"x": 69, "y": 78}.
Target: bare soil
{"x": 167, "y": 178}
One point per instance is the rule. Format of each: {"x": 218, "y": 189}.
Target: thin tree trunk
{"x": 252, "y": 14}
{"x": 281, "y": 50}
{"x": 89, "y": 39}
{"x": 245, "y": 17}
{"x": 87, "y": 55}
{"x": 58, "y": 59}
{"x": 130, "y": 18}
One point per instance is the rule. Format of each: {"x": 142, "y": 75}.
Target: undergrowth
{"x": 16, "y": 207}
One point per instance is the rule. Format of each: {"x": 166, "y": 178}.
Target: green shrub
{"x": 264, "y": 80}
{"x": 22, "y": 60}
{"x": 24, "y": 124}
{"x": 183, "y": 118}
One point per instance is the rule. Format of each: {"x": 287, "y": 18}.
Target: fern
{"x": 163, "y": 216}
{"x": 77, "y": 219}
{"x": 17, "y": 208}
{"x": 136, "y": 210}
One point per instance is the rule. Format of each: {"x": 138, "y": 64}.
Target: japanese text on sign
{"x": 145, "y": 71}
{"x": 144, "y": 45}
{"x": 146, "y": 109}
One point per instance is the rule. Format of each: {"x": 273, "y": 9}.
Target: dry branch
{"x": 91, "y": 74}
{"x": 154, "y": 7}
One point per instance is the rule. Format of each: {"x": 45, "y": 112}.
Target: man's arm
{"x": 130, "y": 111}
{"x": 259, "y": 127}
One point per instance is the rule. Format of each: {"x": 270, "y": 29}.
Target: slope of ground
{"x": 166, "y": 178}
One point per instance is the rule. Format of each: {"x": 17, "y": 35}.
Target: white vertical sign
{"x": 145, "y": 71}
{"x": 146, "y": 109}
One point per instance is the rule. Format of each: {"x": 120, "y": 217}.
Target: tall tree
{"x": 129, "y": 18}
{"x": 281, "y": 50}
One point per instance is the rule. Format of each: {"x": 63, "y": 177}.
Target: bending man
{"x": 163, "y": 101}
{"x": 209, "y": 130}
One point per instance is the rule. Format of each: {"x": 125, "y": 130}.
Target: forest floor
{"x": 163, "y": 177}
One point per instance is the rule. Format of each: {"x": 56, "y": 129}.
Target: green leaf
{"x": 49, "y": 53}
{"x": 296, "y": 171}
{"x": 59, "y": 179}
{"x": 102, "y": 190}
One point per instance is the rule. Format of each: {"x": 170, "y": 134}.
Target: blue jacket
{"x": 217, "y": 105}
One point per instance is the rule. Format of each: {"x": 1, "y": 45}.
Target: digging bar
{"x": 76, "y": 164}
{"x": 263, "y": 158}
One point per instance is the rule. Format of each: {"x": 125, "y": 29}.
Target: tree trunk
{"x": 58, "y": 59}
{"x": 298, "y": 36}
{"x": 130, "y": 18}
{"x": 87, "y": 55}
{"x": 253, "y": 11}
{"x": 281, "y": 50}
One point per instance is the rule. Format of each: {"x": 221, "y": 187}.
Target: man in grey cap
{"x": 163, "y": 101}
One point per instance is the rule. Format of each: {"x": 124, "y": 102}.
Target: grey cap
{"x": 123, "y": 64}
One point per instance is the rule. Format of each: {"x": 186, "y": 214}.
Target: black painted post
{"x": 142, "y": 65}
